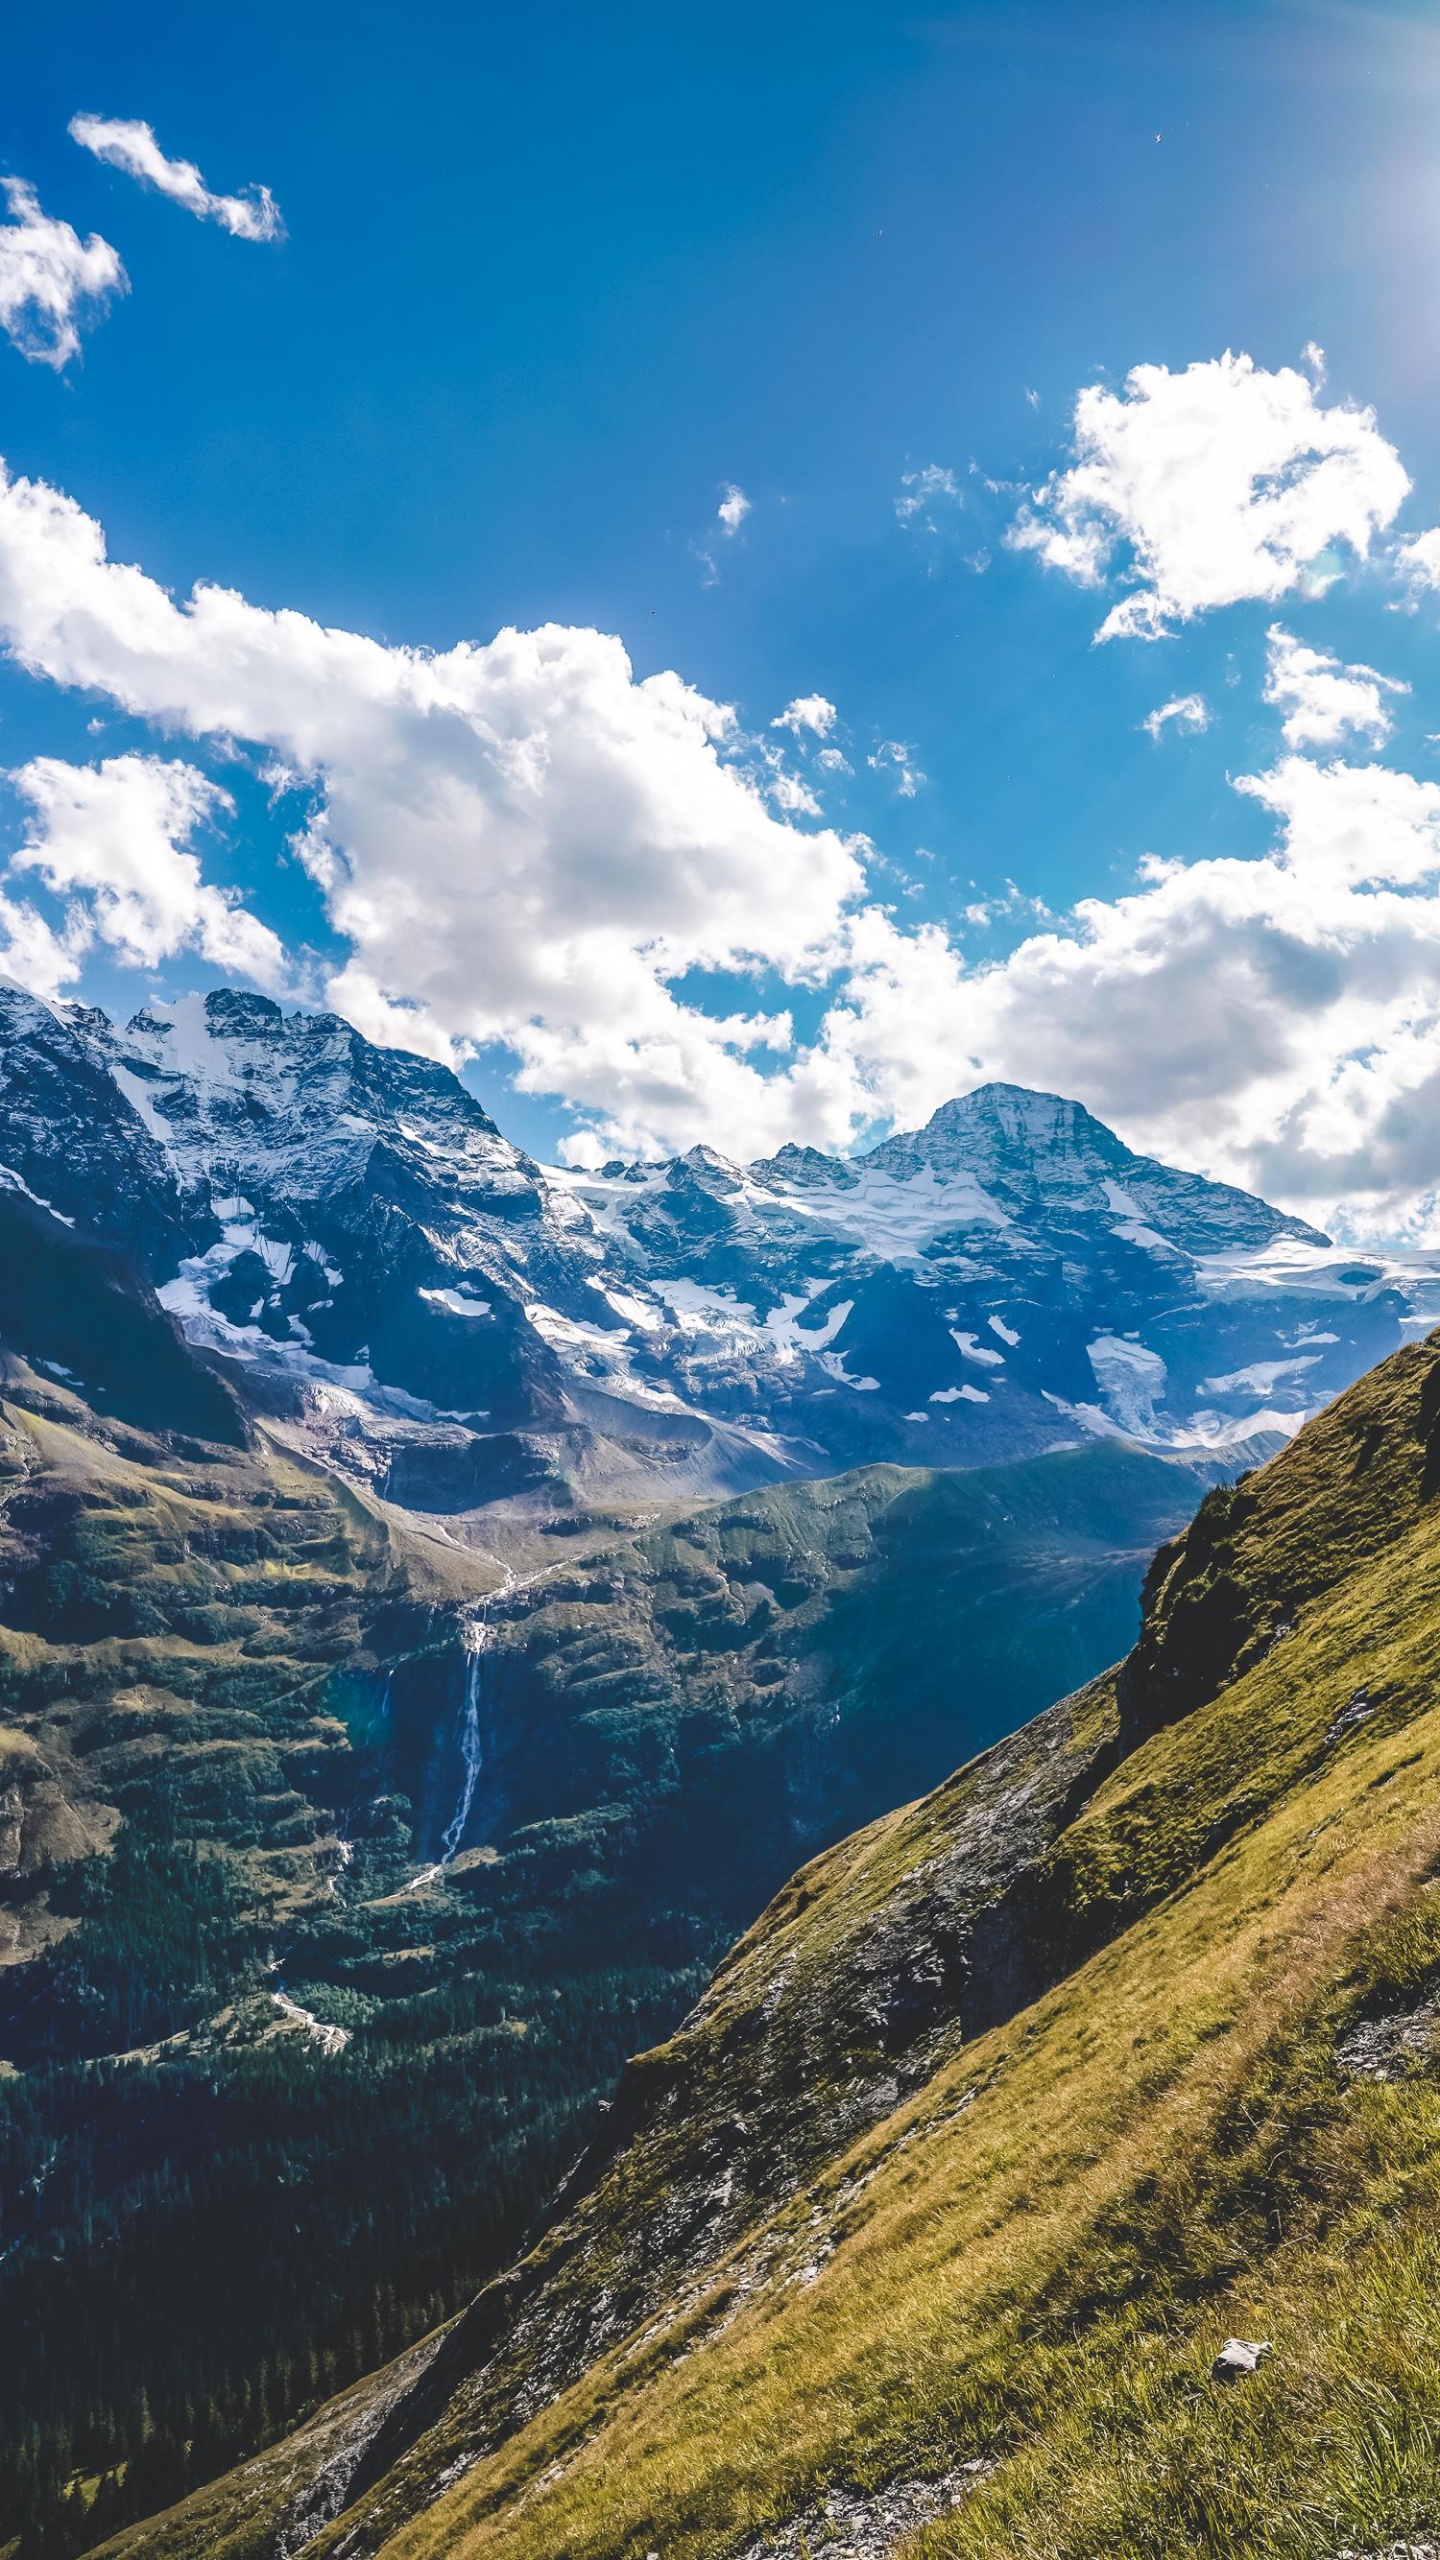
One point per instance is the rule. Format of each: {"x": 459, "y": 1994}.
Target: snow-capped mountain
{"x": 393, "y": 1282}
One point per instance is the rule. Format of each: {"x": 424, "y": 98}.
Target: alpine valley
{"x": 443, "y": 1600}
{"x": 1053, "y": 2169}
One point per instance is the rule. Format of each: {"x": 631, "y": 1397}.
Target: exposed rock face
{"x": 69, "y": 1135}
{"x": 1392, "y": 2047}
{"x": 343, "y": 1191}
{"x": 79, "y": 1309}
{"x": 1041, "y": 1157}
{"x": 453, "y": 1325}
{"x": 847, "y": 2525}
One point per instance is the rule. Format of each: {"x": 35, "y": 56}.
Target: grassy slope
{"x": 1033, "y": 2253}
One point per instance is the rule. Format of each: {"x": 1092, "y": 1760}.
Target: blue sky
{"x": 551, "y": 282}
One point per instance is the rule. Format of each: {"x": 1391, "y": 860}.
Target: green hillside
{"x": 1014, "y": 2107}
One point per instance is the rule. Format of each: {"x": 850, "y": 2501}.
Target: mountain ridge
{"x": 499, "y": 1756}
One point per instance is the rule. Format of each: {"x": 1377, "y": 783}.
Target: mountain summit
{"x": 1041, "y": 1157}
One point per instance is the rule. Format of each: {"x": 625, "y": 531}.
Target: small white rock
{"x": 1239, "y": 2355}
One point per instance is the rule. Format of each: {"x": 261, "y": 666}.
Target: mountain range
{"x": 429, "y": 1312}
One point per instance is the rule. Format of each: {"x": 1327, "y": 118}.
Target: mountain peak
{"x": 1037, "y": 1152}
{"x": 235, "y": 1009}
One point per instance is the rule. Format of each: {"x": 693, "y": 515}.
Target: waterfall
{"x": 476, "y": 1637}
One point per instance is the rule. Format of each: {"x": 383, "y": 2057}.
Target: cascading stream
{"x": 477, "y": 1636}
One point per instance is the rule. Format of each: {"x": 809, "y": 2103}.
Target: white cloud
{"x": 1273, "y": 1020}
{"x": 1222, "y": 482}
{"x": 115, "y": 839}
{"x": 1419, "y": 560}
{"x": 1323, "y": 699}
{"x": 734, "y": 507}
{"x": 34, "y": 955}
{"x": 519, "y": 841}
{"x": 921, "y": 491}
{"x": 1187, "y": 712}
{"x": 125, "y": 143}
{"x": 52, "y": 283}
{"x": 808, "y": 711}
{"x": 789, "y": 791}
{"x": 894, "y": 757}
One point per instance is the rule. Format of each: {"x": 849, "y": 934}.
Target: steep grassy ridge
{"x": 1008, "y": 2111}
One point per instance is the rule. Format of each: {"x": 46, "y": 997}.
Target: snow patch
{"x": 1261, "y": 1377}
{"x": 139, "y": 1092}
{"x": 833, "y": 1363}
{"x": 10, "y": 1181}
{"x": 1131, "y": 1380}
{"x": 974, "y": 1349}
{"x": 456, "y": 1304}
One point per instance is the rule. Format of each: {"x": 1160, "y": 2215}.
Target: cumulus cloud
{"x": 1187, "y": 712}
{"x": 922, "y": 491}
{"x": 33, "y": 954}
{"x": 52, "y": 283}
{"x": 115, "y": 840}
{"x": 519, "y": 841}
{"x": 734, "y": 507}
{"x": 789, "y": 791}
{"x": 125, "y": 143}
{"x": 809, "y": 711}
{"x": 1216, "y": 484}
{"x": 1324, "y": 700}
